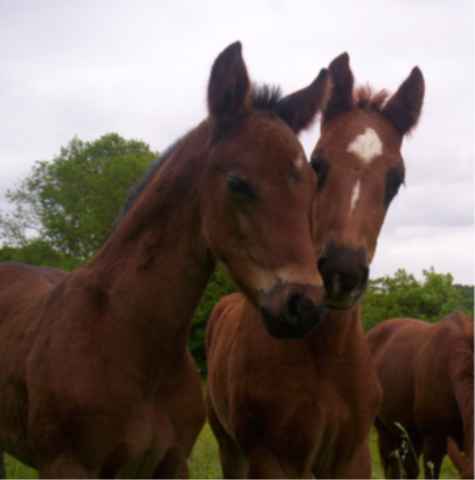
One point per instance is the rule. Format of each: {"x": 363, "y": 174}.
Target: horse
{"x": 303, "y": 408}
{"x": 95, "y": 376}
{"x": 426, "y": 373}
{"x": 459, "y": 459}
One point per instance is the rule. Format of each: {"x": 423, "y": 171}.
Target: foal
{"x": 95, "y": 375}
{"x": 426, "y": 372}
{"x": 304, "y": 408}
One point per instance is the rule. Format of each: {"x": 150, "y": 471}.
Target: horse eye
{"x": 321, "y": 167}
{"x": 240, "y": 187}
{"x": 394, "y": 179}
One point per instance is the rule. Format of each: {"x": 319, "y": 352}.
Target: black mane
{"x": 266, "y": 97}
{"x": 136, "y": 190}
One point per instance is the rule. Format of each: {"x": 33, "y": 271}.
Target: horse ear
{"x": 404, "y": 107}
{"x": 299, "y": 109}
{"x": 341, "y": 99}
{"x": 229, "y": 85}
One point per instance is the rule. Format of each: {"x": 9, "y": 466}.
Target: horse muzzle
{"x": 292, "y": 310}
{"x": 345, "y": 275}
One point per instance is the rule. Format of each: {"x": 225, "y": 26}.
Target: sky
{"x": 86, "y": 68}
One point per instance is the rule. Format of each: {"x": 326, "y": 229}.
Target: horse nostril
{"x": 321, "y": 263}
{"x": 293, "y": 304}
{"x": 349, "y": 282}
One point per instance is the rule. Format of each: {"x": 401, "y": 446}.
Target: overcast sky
{"x": 140, "y": 68}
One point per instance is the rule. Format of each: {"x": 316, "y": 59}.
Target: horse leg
{"x": 397, "y": 463}
{"x": 359, "y": 466}
{"x": 411, "y": 453}
{"x": 233, "y": 462}
{"x": 3, "y": 473}
{"x": 433, "y": 451}
{"x": 263, "y": 464}
{"x": 65, "y": 466}
{"x": 388, "y": 446}
{"x": 173, "y": 465}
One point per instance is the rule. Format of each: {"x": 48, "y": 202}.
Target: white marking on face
{"x": 366, "y": 146}
{"x": 355, "y": 195}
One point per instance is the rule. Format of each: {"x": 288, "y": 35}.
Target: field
{"x": 205, "y": 464}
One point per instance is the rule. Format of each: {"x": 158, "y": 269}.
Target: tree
{"x": 467, "y": 295}
{"x": 403, "y": 296}
{"x": 219, "y": 285}
{"x": 71, "y": 201}
{"x": 36, "y": 252}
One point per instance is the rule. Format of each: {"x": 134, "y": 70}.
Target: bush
{"x": 403, "y": 296}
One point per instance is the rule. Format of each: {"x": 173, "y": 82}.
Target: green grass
{"x": 15, "y": 469}
{"x": 204, "y": 461}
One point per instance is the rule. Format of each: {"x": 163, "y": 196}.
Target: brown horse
{"x": 426, "y": 372}
{"x": 463, "y": 462}
{"x": 95, "y": 375}
{"x": 303, "y": 408}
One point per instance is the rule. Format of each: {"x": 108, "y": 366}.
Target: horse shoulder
{"x": 68, "y": 344}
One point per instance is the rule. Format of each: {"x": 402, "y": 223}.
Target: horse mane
{"x": 136, "y": 190}
{"x": 366, "y": 98}
{"x": 265, "y": 97}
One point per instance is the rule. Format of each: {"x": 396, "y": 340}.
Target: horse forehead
{"x": 272, "y": 135}
{"x": 366, "y": 145}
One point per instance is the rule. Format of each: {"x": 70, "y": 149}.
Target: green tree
{"x": 403, "y": 296}
{"x": 467, "y": 295}
{"x": 36, "y": 252}
{"x": 71, "y": 201}
{"x": 219, "y": 285}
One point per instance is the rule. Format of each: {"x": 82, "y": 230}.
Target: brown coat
{"x": 295, "y": 408}
{"x": 426, "y": 373}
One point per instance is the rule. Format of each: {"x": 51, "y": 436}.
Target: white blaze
{"x": 366, "y": 146}
{"x": 355, "y": 195}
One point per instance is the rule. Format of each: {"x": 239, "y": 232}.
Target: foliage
{"x": 71, "y": 201}
{"x": 219, "y": 285}
{"x": 403, "y": 296}
{"x": 36, "y": 252}
{"x": 467, "y": 294}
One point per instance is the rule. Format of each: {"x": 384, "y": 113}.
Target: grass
{"x": 204, "y": 462}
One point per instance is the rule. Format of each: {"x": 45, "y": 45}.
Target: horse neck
{"x": 155, "y": 265}
{"x": 339, "y": 333}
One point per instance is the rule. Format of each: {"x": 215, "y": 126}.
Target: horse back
{"x": 22, "y": 287}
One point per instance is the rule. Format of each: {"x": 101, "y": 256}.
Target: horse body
{"x": 19, "y": 324}
{"x": 304, "y": 407}
{"x": 426, "y": 372}
{"x": 277, "y": 405}
{"x": 95, "y": 376}
{"x": 103, "y": 370}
